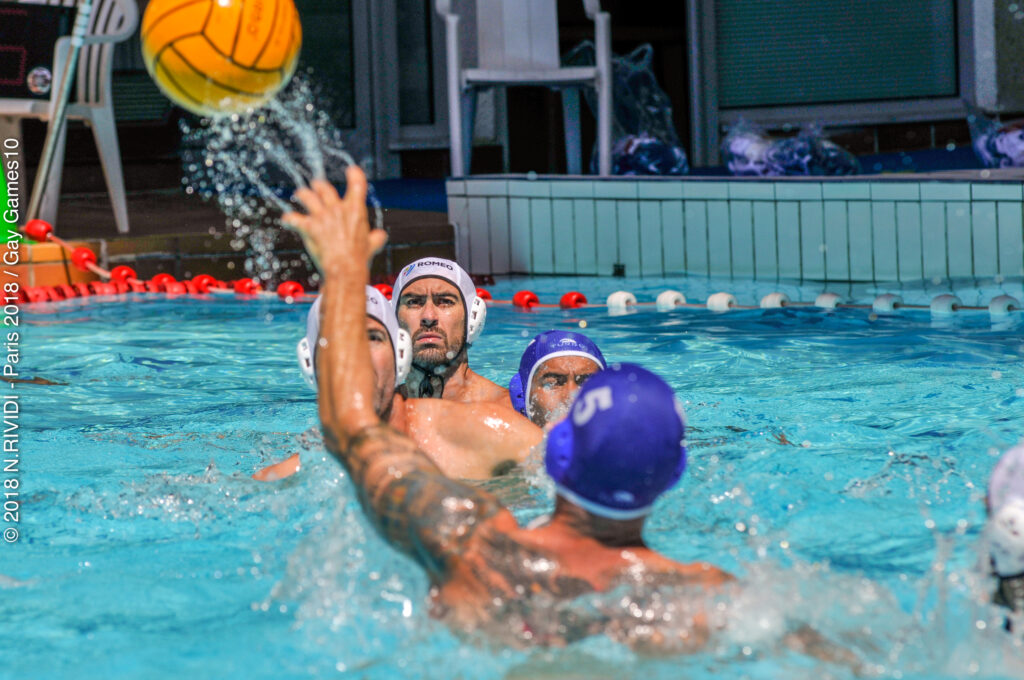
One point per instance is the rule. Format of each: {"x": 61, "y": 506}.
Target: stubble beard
{"x": 430, "y": 358}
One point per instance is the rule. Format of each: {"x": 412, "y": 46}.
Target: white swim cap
{"x": 1005, "y": 528}
{"x": 440, "y": 268}
{"x": 377, "y": 307}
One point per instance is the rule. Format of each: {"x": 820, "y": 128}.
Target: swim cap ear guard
{"x": 306, "y": 350}
{"x": 403, "y": 357}
{"x": 306, "y": 366}
{"x": 1005, "y": 532}
{"x": 517, "y": 394}
{"x": 1005, "y": 528}
{"x": 621, "y": 445}
{"x": 476, "y": 315}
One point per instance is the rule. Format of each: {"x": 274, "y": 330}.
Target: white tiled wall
{"x": 836, "y": 229}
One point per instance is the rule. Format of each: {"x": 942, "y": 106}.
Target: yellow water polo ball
{"x": 217, "y": 57}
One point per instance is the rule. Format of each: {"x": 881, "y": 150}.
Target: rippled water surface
{"x": 838, "y": 462}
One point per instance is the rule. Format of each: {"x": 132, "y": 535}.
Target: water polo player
{"x": 618, "y": 450}
{"x": 1005, "y": 533}
{"x": 466, "y": 441}
{"x": 486, "y": 572}
{"x": 553, "y": 367}
{"x": 436, "y": 303}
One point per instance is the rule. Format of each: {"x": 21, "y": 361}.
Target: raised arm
{"x": 416, "y": 508}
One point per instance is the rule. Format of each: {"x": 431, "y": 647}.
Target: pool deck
{"x": 897, "y": 227}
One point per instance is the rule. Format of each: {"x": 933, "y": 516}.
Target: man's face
{"x": 554, "y": 385}
{"x": 431, "y": 310}
{"x": 382, "y": 358}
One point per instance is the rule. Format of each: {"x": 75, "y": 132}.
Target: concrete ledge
{"x": 881, "y": 229}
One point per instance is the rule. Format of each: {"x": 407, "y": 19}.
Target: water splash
{"x": 253, "y": 163}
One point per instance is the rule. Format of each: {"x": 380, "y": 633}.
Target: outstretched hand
{"x": 336, "y": 230}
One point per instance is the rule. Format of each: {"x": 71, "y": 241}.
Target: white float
{"x": 886, "y": 303}
{"x": 669, "y": 300}
{"x": 774, "y": 300}
{"x": 1003, "y": 305}
{"x": 620, "y": 302}
{"x": 827, "y": 301}
{"x": 942, "y": 305}
{"x": 721, "y": 302}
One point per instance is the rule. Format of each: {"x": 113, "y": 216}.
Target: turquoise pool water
{"x": 838, "y": 462}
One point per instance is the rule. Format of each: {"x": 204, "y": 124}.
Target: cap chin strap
{"x": 416, "y": 375}
{"x": 601, "y": 510}
{"x": 420, "y": 384}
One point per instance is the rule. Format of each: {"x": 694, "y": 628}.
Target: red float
{"x": 572, "y": 300}
{"x": 246, "y": 286}
{"x": 290, "y": 289}
{"x": 161, "y": 280}
{"x": 103, "y": 288}
{"x": 190, "y": 288}
{"x": 122, "y": 273}
{"x": 36, "y": 294}
{"x": 38, "y": 230}
{"x": 525, "y": 299}
{"x": 203, "y": 282}
{"x": 137, "y": 286}
{"x": 82, "y": 257}
{"x": 483, "y": 294}
{"x": 385, "y": 290}
{"x": 175, "y": 288}
{"x": 120, "y": 287}
{"x": 82, "y": 289}
{"x": 52, "y": 294}
{"x": 67, "y": 291}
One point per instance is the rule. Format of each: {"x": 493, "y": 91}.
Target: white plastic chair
{"x": 112, "y": 21}
{"x": 517, "y": 44}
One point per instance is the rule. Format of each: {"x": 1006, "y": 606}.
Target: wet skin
{"x": 466, "y": 441}
{"x": 554, "y": 386}
{"x": 432, "y": 311}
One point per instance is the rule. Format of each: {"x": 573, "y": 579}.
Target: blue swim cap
{"x": 621, "y": 446}
{"x": 548, "y": 345}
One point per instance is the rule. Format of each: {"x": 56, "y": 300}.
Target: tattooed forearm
{"x": 414, "y": 507}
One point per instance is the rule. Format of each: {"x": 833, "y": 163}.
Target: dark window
{"x": 795, "y": 52}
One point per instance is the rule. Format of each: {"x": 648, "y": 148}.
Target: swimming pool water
{"x": 837, "y": 462}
